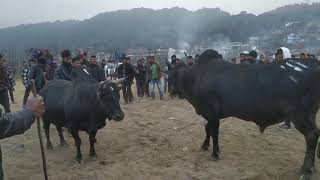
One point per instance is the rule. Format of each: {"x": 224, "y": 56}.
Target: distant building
{"x": 293, "y": 38}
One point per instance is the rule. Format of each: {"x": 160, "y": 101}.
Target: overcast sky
{"x": 15, "y": 12}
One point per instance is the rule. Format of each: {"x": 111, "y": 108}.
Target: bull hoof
{"x": 215, "y": 157}
{"x": 79, "y": 159}
{"x": 64, "y": 144}
{"x": 305, "y": 177}
{"x": 205, "y": 147}
{"x": 49, "y": 147}
{"x": 93, "y": 157}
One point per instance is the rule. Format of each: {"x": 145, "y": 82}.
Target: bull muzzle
{"x": 118, "y": 116}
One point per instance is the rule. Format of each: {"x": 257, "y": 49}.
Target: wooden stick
{"x": 34, "y": 91}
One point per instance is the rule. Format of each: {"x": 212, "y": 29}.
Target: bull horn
{"x": 106, "y": 81}
{"x": 119, "y": 81}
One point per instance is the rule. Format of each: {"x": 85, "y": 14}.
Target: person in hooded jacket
{"x": 282, "y": 54}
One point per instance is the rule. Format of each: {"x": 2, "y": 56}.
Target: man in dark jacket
{"x": 140, "y": 78}
{"x": 95, "y": 70}
{"x": 147, "y": 65}
{"x": 103, "y": 64}
{"x": 38, "y": 73}
{"x": 12, "y": 81}
{"x": 52, "y": 66}
{"x": 64, "y": 71}
{"x": 125, "y": 70}
{"x": 4, "y": 87}
{"x": 16, "y": 123}
{"x": 171, "y": 66}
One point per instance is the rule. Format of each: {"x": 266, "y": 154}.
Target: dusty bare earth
{"x": 160, "y": 140}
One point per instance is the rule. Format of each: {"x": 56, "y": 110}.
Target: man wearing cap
{"x": 252, "y": 58}
{"x": 64, "y": 71}
{"x": 248, "y": 57}
{"x": 95, "y": 70}
{"x": 244, "y": 57}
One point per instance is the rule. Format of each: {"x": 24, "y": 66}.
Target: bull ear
{"x": 119, "y": 81}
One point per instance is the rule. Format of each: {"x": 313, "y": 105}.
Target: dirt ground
{"x": 160, "y": 140}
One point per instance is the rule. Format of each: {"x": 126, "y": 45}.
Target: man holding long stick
{"x": 16, "y": 123}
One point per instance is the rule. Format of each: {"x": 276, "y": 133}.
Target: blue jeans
{"x": 152, "y": 84}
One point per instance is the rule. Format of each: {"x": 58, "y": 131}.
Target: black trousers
{"x": 26, "y": 95}
{"x": 147, "y": 92}
{"x": 127, "y": 93}
{"x": 4, "y": 100}
{"x": 140, "y": 87}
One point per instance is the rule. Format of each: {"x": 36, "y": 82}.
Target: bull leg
{"x": 214, "y": 131}
{"x": 311, "y": 133}
{"x": 92, "y": 139}
{"x": 77, "y": 140}
{"x": 308, "y": 168}
{"x": 62, "y": 141}
{"x": 318, "y": 151}
{"x": 206, "y": 143}
{"x": 46, "y": 127}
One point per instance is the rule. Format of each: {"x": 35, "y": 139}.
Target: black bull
{"x": 265, "y": 94}
{"x": 80, "y": 105}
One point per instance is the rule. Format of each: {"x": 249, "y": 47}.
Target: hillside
{"x": 153, "y": 28}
